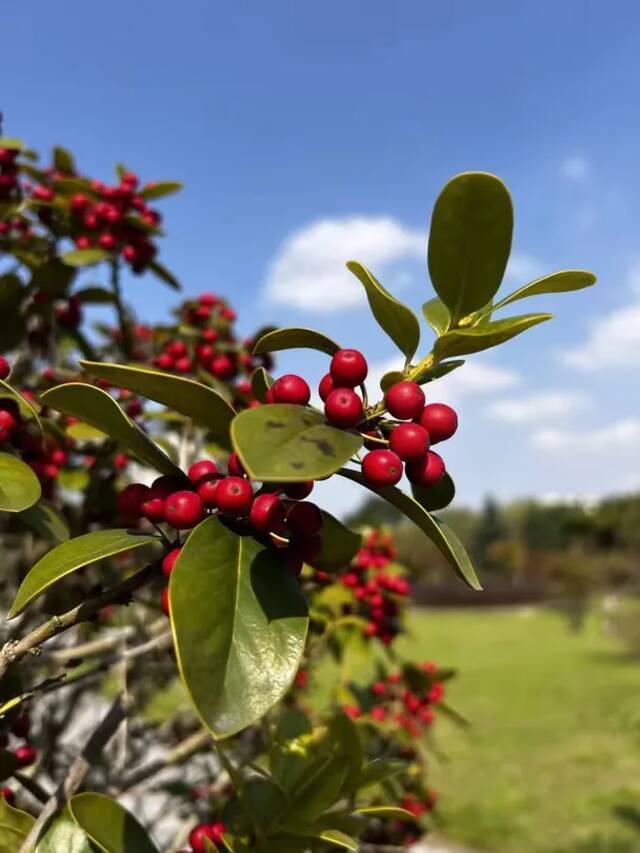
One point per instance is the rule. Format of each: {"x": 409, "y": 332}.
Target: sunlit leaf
{"x": 19, "y": 486}
{"x": 85, "y": 257}
{"x": 159, "y": 189}
{"x": 295, "y": 338}
{"x": 437, "y": 315}
{"x": 556, "y": 282}
{"x": 109, "y": 825}
{"x": 485, "y": 335}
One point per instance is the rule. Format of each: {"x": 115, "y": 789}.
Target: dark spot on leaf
{"x": 297, "y": 465}
{"x": 274, "y": 425}
{"x": 325, "y": 447}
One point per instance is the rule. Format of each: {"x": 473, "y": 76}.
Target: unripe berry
{"x": 267, "y": 513}
{"x": 382, "y": 468}
{"x": 409, "y": 441}
{"x": 25, "y": 755}
{"x": 164, "y": 601}
{"x": 234, "y": 496}
{"x": 343, "y": 408}
{"x": 200, "y": 469}
{"x": 348, "y": 368}
{"x": 326, "y": 387}
{"x": 291, "y": 389}
{"x": 439, "y": 420}
{"x": 426, "y": 472}
{"x": 183, "y": 510}
{"x": 298, "y": 491}
{"x": 304, "y": 519}
{"x": 169, "y": 561}
{"x": 129, "y": 501}
{"x": 5, "y": 367}
{"x": 404, "y": 400}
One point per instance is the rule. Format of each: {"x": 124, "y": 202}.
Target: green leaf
{"x": 11, "y": 142}
{"x": 339, "y": 544}
{"x": 80, "y": 431}
{"x": 339, "y": 839}
{"x": 52, "y": 277}
{"x": 485, "y": 335}
{"x": 85, "y": 257}
{"x": 63, "y": 835}
{"x": 437, "y": 315}
{"x": 261, "y": 381}
{"x": 398, "y": 321}
{"x": 95, "y": 296}
{"x": 264, "y": 802}
{"x": 26, "y": 409}
{"x": 311, "y": 799}
{"x": 437, "y": 531}
{"x": 109, "y": 825}
{"x": 100, "y": 410}
{"x": 470, "y": 241}
{"x": 390, "y": 379}
{"x": 14, "y": 827}
{"x": 391, "y": 812}
{"x": 437, "y": 371}
{"x": 204, "y": 405}
{"x": 433, "y": 498}
{"x": 12, "y": 330}
{"x": 556, "y": 282}
{"x": 70, "y": 556}
{"x": 46, "y": 521}
{"x": 159, "y": 189}
{"x": 379, "y": 769}
{"x": 63, "y": 160}
{"x": 284, "y": 444}
{"x": 348, "y": 747}
{"x": 239, "y": 622}
{"x": 19, "y": 486}
{"x": 295, "y": 338}
{"x": 165, "y": 275}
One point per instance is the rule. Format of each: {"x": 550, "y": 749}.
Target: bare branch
{"x": 185, "y": 749}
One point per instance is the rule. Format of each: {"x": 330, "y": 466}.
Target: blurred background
{"x": 310, "y": 134}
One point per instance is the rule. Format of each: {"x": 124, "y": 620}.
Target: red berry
{"x": 169, "y": 561}
{"x": 348, "y": 368}
{"x": 382, "y": 468}
{"x": 183, "y": 510}
{"x": 234, "y": 465}
{"x": 176, "y": 349}
{"x": 409, "y": 441}
{"x": 298, "y": 491}
{"x": 21, "y": 726}
{"x": 209, "y": 831}
{"x": 208, "y": 489}
{"x": 291, "y": 389}
{"x": 304, "y": 519}
{"x": 7, "y": 424}
{"x": 164, "y": 601}
{"x": 163, "y": 361}
{"x": 200, "y": 469}
{"x": 234, "y": 496}
{"x": 82, "y": 242}
{"x": 153, "y": 508}
{"x": 439, "y": 420}
{"x": 326, "y": 386}
{"x": 404, "y": 400}
{"x": 343, "y": 408}
{"x": 107, "y": 241}
{"x": 268, "y": 396}
{"x": 25, "y": 755}
{"x": 183, "y": 365}
{"x": 222, "y": 367}
{"x": 129, "y": 501}
{"x": 267, "y": 513}
{"x": 427, "y": 471}
{"x": 9, "y": 796}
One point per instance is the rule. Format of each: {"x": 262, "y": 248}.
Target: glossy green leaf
{"x": 391, "y": 378}
{"x": 437, "y": 315}
{"x": 70, "y": 556}
{"x": 339, "y": 544}
{"x": 437, "y": 531}
{"x": 397, "y": 320}
{"x": 204, "y": 405}
{"x": 556, "y": 282}
{"x": 470, "y": 241}
{"x": 165, "y": 275}
{"x": 85, "y": 257}
{"x": 239, "y": 622}
{"x": 52, "y": 277}
{"x": 100, "y": 410}
{"x": 390, "y": 812}
{"x": 63, "y": 160}
{"x": 109, "y": 825}
{"x": 313, "y": 797}
{"x": 45, "y": 521}
{"x": 295, "y": 338}
{"x": 347, "y": 745}
{"x": 80, "y": 431}
{"x": 63, "y": 835}
{"x": 27, "y": 410}
{"x": 95, "y": 296}
{"x": 12, "y": 330}
{"x": 264, "y": 802}
{"x": 285, "y": 444}
{"x": 437, "y": 371}
{"x": 339, "y": 839}
{"x": 159, "y": 189}
{"x": 19, "y": 486}
{"x": 14, "y": 827}
{"x": 485, "y": 335}
{"x": 433, "y": 498}
{"x": 261, "y": 381}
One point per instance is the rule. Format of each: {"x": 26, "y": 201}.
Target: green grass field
{"x": 552, "y": 760}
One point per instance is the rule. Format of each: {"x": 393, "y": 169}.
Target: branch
{"x": 185, "y": 749}
{"x": 15, "y": 650}
{"x": 79, "y": 769}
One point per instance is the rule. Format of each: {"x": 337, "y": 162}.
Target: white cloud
{"x": 522, "y": 268}
{"x": 554, "y": 405}
{"x": 308, "y": 271}
{"x": 619, "y": 437}
{"x": 613, "y": 342}
{"x": 576, "y": 168}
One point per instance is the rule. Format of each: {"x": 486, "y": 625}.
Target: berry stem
{"x": 123, "y": 320}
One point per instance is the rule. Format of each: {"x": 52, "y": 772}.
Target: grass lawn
{"x": 552, "y": 761}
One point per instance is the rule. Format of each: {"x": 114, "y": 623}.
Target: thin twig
{"x": 34, "y": 788}
{"x": 185, "y": 749}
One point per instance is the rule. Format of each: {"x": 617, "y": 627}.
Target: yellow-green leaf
{"x": 19, "y": 486}
{"x": 295, "y": 338}
{"x": 485, "y": 335}
{"x": 556, "y": 282}
{"x": 109, "y": 825}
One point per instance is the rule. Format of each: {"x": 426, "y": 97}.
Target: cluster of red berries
{"x": 419, "y": 806}
{"x": 24, "y": 755}
{"x": 207, "y": 832}
{"x": 405, "y": 443}
{"x": 378, "y": 594}
{"x": 407, "y": 705}
{"x": 8, "y": 174}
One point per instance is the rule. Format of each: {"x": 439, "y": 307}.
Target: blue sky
{"x": 306, "y": 134}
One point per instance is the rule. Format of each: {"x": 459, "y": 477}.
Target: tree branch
{"x": 185, "y": 749}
